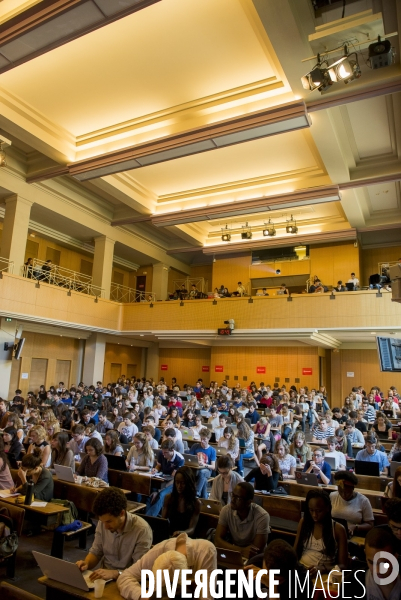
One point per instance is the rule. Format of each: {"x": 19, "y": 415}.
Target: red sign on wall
{"x": 164, "y": 367}
{"x": 218, "y": 368}
{"x": 307, "y": 371}
{"x": 260, "y": 369}
{"x": 205, "y": 369}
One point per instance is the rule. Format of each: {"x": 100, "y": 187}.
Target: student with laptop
{"x": 181, "y": 507}
{"x": 219, "y": 431}
{"x": 243, "y": 525}
{"x": 206, "y": 459}
{"x": 61, "y": 454}
{"x": 370, "y": 454}
{"x": 78, "y": 441}
{"x": 338, "y": 457}
{"x": 168, "y": 461}
{"x": 225, "y": 481}
{"x": 318, "y": 466}
{"x": 121, "y": 538}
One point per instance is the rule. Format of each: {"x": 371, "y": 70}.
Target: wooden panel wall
{"x": 228, "y": 271}
{"x": 283, "y": 363}
{"x": 205, "y": 271}
{"x": 334, "y": 262}
{"x": 41, "y": 349}
{"x": 123, "y": 355}
{"x": 365, "y": 366}
{"x": 185, "y": 364}
{"x": 373, "y": 256}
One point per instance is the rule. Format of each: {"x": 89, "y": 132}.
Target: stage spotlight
{"x": 270, "y": 229}
{"x": 291, "y": 226}
{"x": 317, "y": 79}
{"x": 246, "y": 233}
{"x": 225, "y": 237}
{"x": 381, "y": 54}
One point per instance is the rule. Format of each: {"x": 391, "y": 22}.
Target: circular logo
{"x": 385, "y": 568}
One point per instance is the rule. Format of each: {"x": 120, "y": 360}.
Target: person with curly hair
{"x": 121, "y": 538}
{"x": 350, "y": 505}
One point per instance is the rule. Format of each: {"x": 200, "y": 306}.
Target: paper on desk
{"x": 39, "y": 504}
{"x": 7, "y": 494}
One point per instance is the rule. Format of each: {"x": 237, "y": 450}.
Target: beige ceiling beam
{"x": 50, "y": 24}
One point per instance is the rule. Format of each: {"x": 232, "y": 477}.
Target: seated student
{"x": 207, "y": 460}
{"x": 149, "y": 431}
{"x": 231, "y": 443}
{"x": 173, "y": 555}
{"x": 92, "y": 433}
{"x": 121, "y": 537}
{"x": 78, "y": 441}
{"x": 188, "y": 419}
{"x": 39, "y": 440}
{"x": 32, "y": 470}
{"x": 265, "y": 476}
{"x": 245, "y": 433}
{"x": 243, "y": 525}
{"x": 103, "y": 425}
{"x": 350, "y": 505}
{"x": 322, "y": 432}
{"x": 252, "y": 413}
{"x": 140, "y": 457}
{"x": 112, "y": 443}
{"x": 371, "y": 454}
{"x": 369, "y": 412}
{"x": 127, "y": 429}
{"x": 299, "y": 448}
{"x": 181, "y": 507}
{"x": 219, "y": 431}
{"x": 383, "y": 427}
{"x": 339, "y": 457}
{"x": 150, "y": 420}
{"x": 318, "y": 466}
{"x": 61, "y": 454}
{"x": 225, "y": 481}
{"x": 94, "y": 464}
{"x": 392, "y": 509}
{"x": 378, "y": 540}
{"x": 339, "y": 287}
{"x": 360, "y": 423}
{"x": 320, "y": 543}
{"x": 6, "y": 481}
{"x": 12, "y": 445}
{"x": 286, "y": 461}
{"x": 168, "y": 461}
{"x": 355, "y": 438}
{"x": 170, "y": 432}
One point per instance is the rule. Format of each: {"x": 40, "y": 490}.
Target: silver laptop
{"x": 63, "y": 571}
{"x": 205, "y": 413}
{"x": 211, "y": 507}
{"x": 220, "y": 451}
{"x": 229, "y": 558}
{"x": 191, "y": 460}
{"x": 64, "y": 473}
{"x": 330, "y": 460}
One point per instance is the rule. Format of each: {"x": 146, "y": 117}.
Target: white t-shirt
{"x": 356, "y": 511}
{"x": 128, "y": 430}
{"x": 339, "y": 458}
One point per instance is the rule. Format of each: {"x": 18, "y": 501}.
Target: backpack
{"x": 8, "y": 537}
{"x": 67, "y": 517}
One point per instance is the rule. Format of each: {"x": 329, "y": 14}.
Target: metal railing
{"x": 121, "y": 293}
{"x": 61, "y": 277}
{"x": 6, "y": 266}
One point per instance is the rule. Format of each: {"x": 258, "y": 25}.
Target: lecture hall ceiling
{"x": 177, "y": 67}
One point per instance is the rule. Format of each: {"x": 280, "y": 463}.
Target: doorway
{"x": 140, "y": 285}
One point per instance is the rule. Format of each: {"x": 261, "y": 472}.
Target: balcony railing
{"x": 121, "y": 293}
{"x": 65, "y": 278}
{"x": 6, "y": 266}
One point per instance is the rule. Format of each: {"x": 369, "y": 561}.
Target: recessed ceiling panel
{"x": 370, "y": 127}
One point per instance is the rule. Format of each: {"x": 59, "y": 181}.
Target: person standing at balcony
{"x": 46, "y": 271}
{"x": 29, "y": 268}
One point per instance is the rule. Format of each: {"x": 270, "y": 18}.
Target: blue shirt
{"x": 208, "y": 454}
{"x": 325, "y": 467}
{"x": 377, "y": 456}
{"x": 237, "y": 404}
{"x": 169, "y": 466}
{"x": 254, "y": 417}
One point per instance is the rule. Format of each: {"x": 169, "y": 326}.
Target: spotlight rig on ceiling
{"x": 291, "y": 226}
{"x": 345, "y": 69}
{"x": 246, "y": 233}
{"x": 270, "y": 230}
{"x": 225, "y": 236}
{"x": 318, "y": 78}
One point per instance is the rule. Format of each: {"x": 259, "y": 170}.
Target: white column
{"x": 95, "y": 348}
{"x": 7, "y": 334}
{"x": 160, "y": 280}
{"x": 15, "y": 231}
{"x": 103, "y": 264}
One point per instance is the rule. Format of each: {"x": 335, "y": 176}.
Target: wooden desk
{"x": 300, "y": 490}
{"x": 61, "y": 591}
{"x": 46, "y": 515}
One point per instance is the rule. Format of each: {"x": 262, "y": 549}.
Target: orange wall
{"x": 334, "y": 262}
{"x": 185, "y": 364}
{"x": 228, "y": 271}
{"x": 123, "y": 355}
{"x": 373, "y": 256}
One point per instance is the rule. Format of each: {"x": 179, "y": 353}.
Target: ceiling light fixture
{"x": 246, "y": 233}
{"x": 381, "y": 54}
{"x": 270, "y": 230}
{"x": 291, "y": 226}
{"x": 318, "y": 78}
{"x": 345, "y": 69}
{"x": 225, "y": 237}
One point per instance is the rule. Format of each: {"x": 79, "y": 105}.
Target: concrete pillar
{"x": 160, "y": 280}
{"x": 103, "y": 264}
{"x": 15, "y": 231}
{"x": 95, "y": 348}
{"x": 7, "y": 334}
{"x": 152, "y": 362}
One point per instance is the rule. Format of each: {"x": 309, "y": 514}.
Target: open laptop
{"x": 388, "y": 413}
{"x": 64, "y": 571}
{"x": 306, "y": 478}
{"x": 117, "y": 463}
{"x": 64, "y": 473}
{"x": 205, "y": 413}
{"x": 220, "y": 451}
{"x": 211, "y": 507}
{"x": 363, "y": 467}
{"x": 393, "y": 467}
{"x": 191, "y": 460}
{"x": 229, "y": 559}
{"x": 159, "y": 527}
{"x": 330, "y": 460}
{"x": 350, "y": 286}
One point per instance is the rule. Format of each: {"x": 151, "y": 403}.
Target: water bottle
{"x": 132, "y": 464}
{"x": 29, "y": 493}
